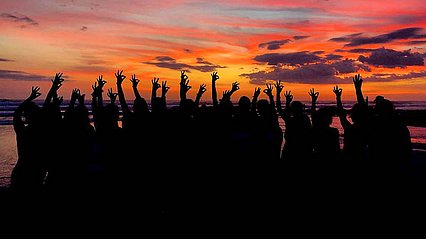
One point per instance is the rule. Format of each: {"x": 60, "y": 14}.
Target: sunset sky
{"x": 303, "y": 43}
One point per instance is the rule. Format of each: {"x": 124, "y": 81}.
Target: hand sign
{"x": 256, "y": 92}
{"x": 101, "y": 82}
{"x": 134, "y": 81}
{"x": 95, "y": 89}
{"x": 155, "y": 85}
{"x": 120, "y": 77}
{"x": 279, "y": 87}
{"x": 357, "y": 81}
{"x": 215, "y": 77}
{"x": 337, "y": 91}
{"x": 235, "y": 86}
{"x": 185, "y": 86}
{"x": 314, "y": 95}
{"x": 75, "y": 93}
{"x": 268, "y": 90}
{"x": 164, "y": 88}
{"x": 226, "y": 94}
{"x": 288, "y": 96}
{"x": 34, "y": 92}
{"x": 183, "y": 77}
{"x": 202, "y": 89}
{"x": 57, "y": 82}
{"x": 112, "y": 96}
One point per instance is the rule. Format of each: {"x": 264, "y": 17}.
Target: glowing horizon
{"x": 305, "y": 44}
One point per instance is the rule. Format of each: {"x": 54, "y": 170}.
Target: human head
{"x": 244, "y": 104}
{"x": 31, "y": 113}
{"x": 297, "y": 107}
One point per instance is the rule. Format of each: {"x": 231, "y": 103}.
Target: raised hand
{"x": 288, "y": 97}
{"x": 268, "y": 90}
{"x": 235, "y": 86}
{"x": 279, "y": 87}
{"x": 183, "y": 77}
{"x": 215, "y": 76}
{"x": 57, "y": 82}
{"x": 101, "y": 82}
{"x": 226, "y": 94}
{"x": 134, "y": 81}
{"x": 164, "y": 88}
{"x": 256, "y": 92}
{"x": 357, "y": 81}
{"x": 185, "y": 87}
{"x": 34, "y": 93}
{"x": 337, "y": 91}
{"x": 112, "y": 96}
{"x": 95, "y": 89}
{"x": 155, "y": 84}
{"x": 120, "y": 77}
{"x": 314, "y": 95}
{"x": 75, "y": 93}
{"x": 202, "y": 89}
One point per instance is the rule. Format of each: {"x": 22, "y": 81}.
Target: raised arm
{"x": 254, "y": 100}
{"x": 338, "y": 92}
{"x": 74, "y": 95}
{"x": 95, "y": 105}
{"x": 164, "y": 90}
{"x": 18, "y": 124}
{"x": 268, "y": 92}
{"x": 184, "y": 87}
{"x": 279, "y": 88}
{"x": 288, "y": 99}
{"x": 200, "y": 93}
{"x": 135, "y": 83}
{"x": 120, "y": 78}
{"x": 314, "y": 97}
{"x": 235, "y": 87}
{"x": 357, "y": 79}
{"x": 112, "y": 96}
{"x": 56, "y": 84}
{"x": 341, "y": 112}
{"x": 101, "y": 84}
{"x": 155, "y": 87}
{"x": 215, "y": 77}
{"x": 94, "y": 97}
{"x": 285, "y": 114}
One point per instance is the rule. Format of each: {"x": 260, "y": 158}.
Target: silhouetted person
{"x": 298, "y": 130}
{"x": 108, "y": 139}
{"x": 70, "y": 170}
{"x": 268, "y": 132}
{"x": 325, "y": 138}
{"x": 390, "y": 140}
{"x": 244, "y": 131}
{"x": 29, "y": 172}
{"x": 355, "y": 133}
{"x": 52, "y": 127}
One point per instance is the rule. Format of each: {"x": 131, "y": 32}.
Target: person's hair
{"x": 31, "y": 112}
{"x": 244, "y": 103}
{"x": 297, "y": 106}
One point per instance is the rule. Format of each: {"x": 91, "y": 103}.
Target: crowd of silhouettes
{"x": 203, "y": 151}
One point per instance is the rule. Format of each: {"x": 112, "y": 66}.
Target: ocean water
{"x": 8, "y": 154}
